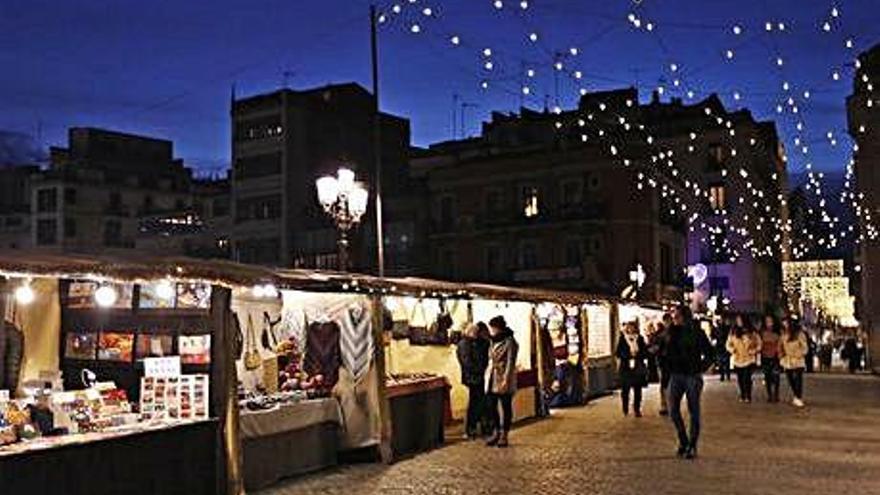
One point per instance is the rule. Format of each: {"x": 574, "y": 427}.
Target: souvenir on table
{"x": 81, "y": 294}
{"x": 157, "y": 295}
{"x": 193, "y": 295}
{"x": 81, "y": 345}
{"x": 115, "y": 346}
{"x": 154, "y": 345}
{"x": 194, "y": 349}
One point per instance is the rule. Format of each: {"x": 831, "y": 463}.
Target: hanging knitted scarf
{"x": 356, "y": 341}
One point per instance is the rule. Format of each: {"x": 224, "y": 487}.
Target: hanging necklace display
{"x": 251, "y": 354}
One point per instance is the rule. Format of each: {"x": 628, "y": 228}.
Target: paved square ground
{"x": 831, "y": 447}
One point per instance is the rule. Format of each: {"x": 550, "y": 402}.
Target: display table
{"x": 288, "y": 440}
{"x": 418, "y": 411}
{"x": 167, "y": 459}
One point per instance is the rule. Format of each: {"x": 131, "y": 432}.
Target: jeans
{"x": 744, "y": 381}
{"x": 690, "y": 386}
{"x": 770, "y": 367}
{"x": 724, "y": 365}
{"x": 796, "y": 381}
{"x": 664, "y": 387}
{"x": 506, "y": 400}
{"x": 637, "y": 398}
{"x": 476, "y": 400}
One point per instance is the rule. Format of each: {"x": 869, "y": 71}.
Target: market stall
{"x": 307, "y": 380}
{"x": 109, "y": 369}
{"x": 601, "y": 322}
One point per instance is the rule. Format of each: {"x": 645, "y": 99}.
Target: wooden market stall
{"x": 299, "y": 366}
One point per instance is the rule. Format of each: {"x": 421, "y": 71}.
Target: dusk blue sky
{"x": 165, "y": 67}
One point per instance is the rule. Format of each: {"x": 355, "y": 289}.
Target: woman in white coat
{"x": 793, "y": 348}
{"x": 744, "y": 344}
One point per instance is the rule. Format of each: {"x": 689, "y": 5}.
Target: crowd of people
{"x": 675, "y": 352}
{"x": 681, "y": 352}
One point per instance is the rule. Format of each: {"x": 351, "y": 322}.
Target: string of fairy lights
{"x": 750, "y": 223}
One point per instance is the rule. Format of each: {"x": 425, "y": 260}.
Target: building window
{"x": 447, "y": 212}
{"x": 47, "y": 200}
{"x": 573, "y": 253}
{"x": 571, "y": 193}
{"x": 493, "y": 202}
{"x": 594, "y": 182}
{"x": 595, "y": 245}
{"x": 530, "y": 202}
{"x": 717, "y": 197}
{"x": 148, "y": 203}
{"x": 447, "y": 263}
{"x": 69, "y": 228}
{"x": 715, "y": 158}
{"x": 115, "y": 202}
{"x": 113, "y": 233}
{"x": 220, "y": 207}
{"x": 258, "y": 165}
{"x": 494, "y": 262}
{"x": 528, "y": 256}
{"x": 47, "y": 232}
{"x": 69, "y": 196}
{"x": 259, "y": 208}
{"x": 259, "y": 251}
{"x": 261, "y": 128}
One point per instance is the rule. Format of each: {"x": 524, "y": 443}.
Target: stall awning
{"x": 138, "y": 268}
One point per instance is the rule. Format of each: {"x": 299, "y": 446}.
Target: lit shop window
{"x": 530, "y": 202}
{"x": 717, "y": 197}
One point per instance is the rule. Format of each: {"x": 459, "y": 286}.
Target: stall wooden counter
{"x": 418, "y": 410}
{"x": 288, "y": 440}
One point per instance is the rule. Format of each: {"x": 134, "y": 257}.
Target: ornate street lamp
{"x": 346, "y": 202}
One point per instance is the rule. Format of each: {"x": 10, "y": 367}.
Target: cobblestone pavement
{"x": 832, "y": 446}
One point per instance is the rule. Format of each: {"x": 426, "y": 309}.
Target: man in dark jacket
{"x": 473, "y": 357}
{"x": 688, "y": 355}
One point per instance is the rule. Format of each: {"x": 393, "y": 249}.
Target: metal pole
{"x": 342, "y": 244}
{"x": 377, "y": 143}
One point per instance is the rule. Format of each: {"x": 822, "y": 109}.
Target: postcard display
{"x": 145, "y": 321}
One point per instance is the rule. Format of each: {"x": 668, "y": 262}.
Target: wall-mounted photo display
{"x": 82, "y": 346}
{"x": 115, "y": 346}
{"x": 159, "y": 295}
{"x": 194, "y": 349}
{"x": 193, "y": 296}
{"x": 87, "y": 295}
{"x": 81, "y": 295}
{"x": 154, "y": 345}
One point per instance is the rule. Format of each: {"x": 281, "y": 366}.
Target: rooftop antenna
{"x": 455, "y": 99}
{"x": 464, "y": 106}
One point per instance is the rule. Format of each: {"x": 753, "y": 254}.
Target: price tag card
{"x": 162, "y": 367}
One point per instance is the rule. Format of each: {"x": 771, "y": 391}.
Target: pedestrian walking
{"x": 473, "y": 359}
{"x": 502, "y": 379}
{"x": 851, "y": 353}
{"x": 770, "y": 357}
{"x": 744, "y": 345}
{"x": 657, "y": 347}
{"x": 812, "y": 351}
{"x": 689, "y": 354}
{"x": 721, "y": 355}
{"x": 632, "y": 353}
{"x": 826, "y": 352}
{"x": 793, "y": 348}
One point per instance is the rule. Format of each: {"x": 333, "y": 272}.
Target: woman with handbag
{"x": 793, "y": 348}
{"x": 502, "y": 379}
{"x": 632, "y": 353}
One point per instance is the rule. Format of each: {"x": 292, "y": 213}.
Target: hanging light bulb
{"x": 24, "y": 294}
{"x": 165, "y": 290}
{"x": 106, "y": 296}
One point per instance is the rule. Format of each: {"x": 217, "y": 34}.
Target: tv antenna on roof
{"x": 286, "y": 75}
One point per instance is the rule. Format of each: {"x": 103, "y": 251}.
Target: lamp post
{"x": 345, "y": 201}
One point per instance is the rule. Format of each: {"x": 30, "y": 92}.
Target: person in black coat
{"x": 473, "y": 358}
{"x": 632, "y": 352}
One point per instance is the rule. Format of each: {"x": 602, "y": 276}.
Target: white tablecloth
{"x": 289, "y": 417}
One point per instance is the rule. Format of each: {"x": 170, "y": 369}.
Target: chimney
{"x": 655, "y": 97}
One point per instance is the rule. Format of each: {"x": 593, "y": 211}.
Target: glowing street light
{"x": 345, "y": 200}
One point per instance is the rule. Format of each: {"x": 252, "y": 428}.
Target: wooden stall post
{"x": 585, "y": 350}
{"x": 538, "y": 362}
{"x": 386, "y": 452}
{"x": 224, "y": 394}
